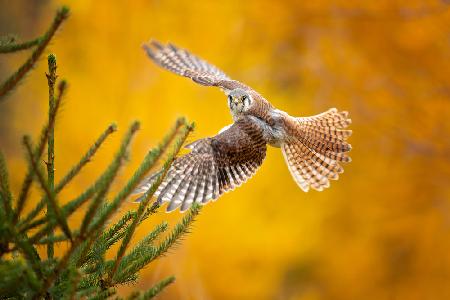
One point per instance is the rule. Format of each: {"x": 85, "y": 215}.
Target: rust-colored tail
{"x": 316, "y": 149}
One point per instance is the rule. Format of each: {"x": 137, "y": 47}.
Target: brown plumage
{"x": 313, "y": 147}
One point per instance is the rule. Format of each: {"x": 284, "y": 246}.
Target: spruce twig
{"x": 26, "y": 247}
{"x": 38, "y": 151}
{"x": 103, "y": 294}
{"x": 71, "y": 206}
{"x": 5, "y": 192}
{"x": 50, "y": 196}
{"x": 25, "y": 224}
{"x": 143, "y": 245}
{"x": 14, "y": 47}
{"x": 148, "y": 162}
{"x": 73, "y": 285}
{"x": 12, "y": 81}
{"x": 143, "y": 204}
{"x": 157, "y": 288}
{"x": 51, "y": 79}
{"x": 85, "y": 159}
{"x": 179, "y": 230}
{"x": 7, "y": 39}
{"x": 108, "y": 178}
{"x": 108, "y": 238}
{"x": 56, "y": 238}
{"x": 153, "y": 291}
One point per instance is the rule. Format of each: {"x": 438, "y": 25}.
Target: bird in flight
{"x": 313, "y": 147}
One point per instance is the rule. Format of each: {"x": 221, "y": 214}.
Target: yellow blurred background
{"x": 381, "y": 232}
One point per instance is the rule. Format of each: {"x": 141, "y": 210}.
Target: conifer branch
{"x": 143, "y": 245}
{"x": 125, "y": 273}
{"x": 56, "y": 238}
{"x": 71, "y": 206}
{"x": 106, "y": 181}
{"x": 68, "y": 208}
{"x": 5, "y": 192}
{"x": 51, "y": 79}
{"x": 108, "y": 238}
{"x": 27, "y": 249}
{"x": 86, "y": 158}
{"x": 48, "y": 281}
{"x": 82, "y": 271}
{"x": 7, "y": 39}
{"x": 103, "y": 186}
{"x": 14, "y": 47}
{"x": 143, "y": 205}
{"x": 50, "y": 196}
{"x": 103, "y": 294}
{"x": 86, "y": 291}
{"x": 157, "y": 288}
{"x": 25, "y": 224}
{"x": 12, "y": 81}
{"x": 38, "y": 151}
{"x": 148, "y": 162}
{"x": 73, "y": 284}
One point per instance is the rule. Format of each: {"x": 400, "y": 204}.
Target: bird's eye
{"x": 246, "y": 100}
{"x": 230, "y": 99}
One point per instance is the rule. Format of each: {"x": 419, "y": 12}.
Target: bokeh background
{"x": 381, "y": 232}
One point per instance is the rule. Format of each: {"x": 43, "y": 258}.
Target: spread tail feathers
{"x": 316, "y": 148}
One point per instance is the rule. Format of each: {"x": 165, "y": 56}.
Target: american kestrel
{"x": 313, "y": 147}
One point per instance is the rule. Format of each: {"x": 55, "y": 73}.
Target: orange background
{"x": 381, "y": 232}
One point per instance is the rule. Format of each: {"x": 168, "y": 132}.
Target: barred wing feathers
{"x": 214, "y": 166}
{"x": 182, "y": 62}
{"x": 317, "y": 149}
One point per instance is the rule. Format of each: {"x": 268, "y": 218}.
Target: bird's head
{"x": 239, "y": 101}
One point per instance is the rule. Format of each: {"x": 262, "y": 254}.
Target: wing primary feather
{"x": 181, "y": 191}
{"x": 190, "y": 192}
{"x": 166, "y": 192}
{"x": 215, "y": 193}
{"x": 206, "y": 181}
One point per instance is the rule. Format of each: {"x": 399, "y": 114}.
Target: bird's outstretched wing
{"x": 214, "y": 166}
{"x": 183, "y": 63}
